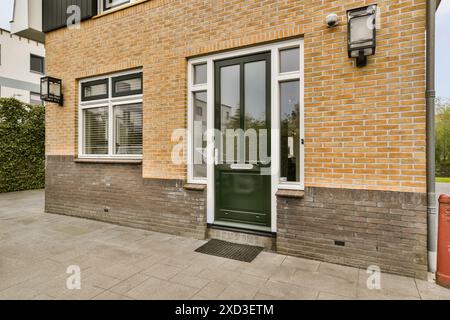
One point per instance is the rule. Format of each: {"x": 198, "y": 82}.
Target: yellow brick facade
{"x": 364, "y": 127}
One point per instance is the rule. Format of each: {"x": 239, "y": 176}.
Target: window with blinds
{"x": 36, "y": 64}
{"x": 128, "y": 129}
{"x": 112, "y": 125}
{"x": 95, "y": 130}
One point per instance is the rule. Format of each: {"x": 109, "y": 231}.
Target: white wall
{"x": 6, "y": 13}
{"x": 22, "y": 95}
{"x": 20, "y": 16}
{"x": 35, "y": 15}
{"x": 15, "y": 74}
{"x": 27, "y": 16}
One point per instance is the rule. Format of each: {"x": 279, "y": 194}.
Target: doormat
{"x": 239, "y": 252}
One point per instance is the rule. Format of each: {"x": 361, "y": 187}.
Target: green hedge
{"x": 22, "y": 146}
{"x": 443, "y": 169}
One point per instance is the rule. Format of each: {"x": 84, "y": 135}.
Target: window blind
{"x": 96, "y": 130}
{"x": 128, "y": 129}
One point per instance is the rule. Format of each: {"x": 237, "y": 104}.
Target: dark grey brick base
{"x": 117, "y": 193}
{"x": 383, "y": 228}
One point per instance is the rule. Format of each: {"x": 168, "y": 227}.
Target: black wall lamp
{"x": 51, "y": 90}
{"x": 361, "y": 33}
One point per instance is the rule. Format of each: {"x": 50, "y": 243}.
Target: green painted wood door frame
{"x": 243, "y": 196}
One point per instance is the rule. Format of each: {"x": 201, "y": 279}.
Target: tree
{"x": 442, "y": 137}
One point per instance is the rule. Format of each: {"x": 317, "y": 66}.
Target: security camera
{"x": 332, "y": 20}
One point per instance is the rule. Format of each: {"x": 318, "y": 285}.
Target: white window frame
{"x": 193, "y": 88}
{"x": 110, "y": 103}
{"x": 277, "y": 77}
{"x": 101, "y": 9}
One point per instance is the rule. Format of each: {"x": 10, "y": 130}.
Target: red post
{"x": 443, "y": 254}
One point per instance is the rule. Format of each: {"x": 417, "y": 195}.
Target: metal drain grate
{"x": 240, "y": 252}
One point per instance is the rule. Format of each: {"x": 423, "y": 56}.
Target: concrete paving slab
{"x": 124, "y": 263}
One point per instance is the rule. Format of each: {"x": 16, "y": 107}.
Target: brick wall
{"x": 383, "y": 228}
{"x": 88, "y": 190}
{"x": 365, "y": 128}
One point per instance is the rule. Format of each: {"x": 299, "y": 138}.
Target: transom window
{"x": 106, "y": 5}
{"x": 110, "y": 116}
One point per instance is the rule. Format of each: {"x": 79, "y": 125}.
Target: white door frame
{"x": 274, "y": 49}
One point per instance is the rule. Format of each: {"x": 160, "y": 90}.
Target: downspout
{"x": 430, "y": 131}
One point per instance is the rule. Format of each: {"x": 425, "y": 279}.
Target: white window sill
{"x": 197, "y": 181}
{"x": 37, "y": 72}
{"x": 291, "y": 186}
{"x": 118, "y": 8}
{"x": 108, "y": 160}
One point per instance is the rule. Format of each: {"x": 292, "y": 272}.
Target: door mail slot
{"x": 241, "y": 166}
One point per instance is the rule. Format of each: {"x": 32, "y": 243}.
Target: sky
{"x": 442, "y": 42}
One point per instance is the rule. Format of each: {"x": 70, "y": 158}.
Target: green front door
{"x": 242, "y": 116}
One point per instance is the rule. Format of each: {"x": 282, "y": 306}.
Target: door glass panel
{"x": 255, "y": 108}
{"x": 290, "y": 131}
{"x": 230, "y": 118}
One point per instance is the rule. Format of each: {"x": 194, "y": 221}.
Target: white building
{"x": 27, "y": 19}
{"x": 22, "y": 64}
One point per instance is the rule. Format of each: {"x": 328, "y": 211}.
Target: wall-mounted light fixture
{"x": 51, "y": 90}
{"x": 361, "y": 33}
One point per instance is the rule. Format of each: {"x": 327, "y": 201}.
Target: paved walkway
{"x": 123, "y": 263}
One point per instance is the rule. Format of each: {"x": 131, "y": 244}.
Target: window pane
{"x": 96, "y": 130}
{"x": 55, "y": 88}
{"x": 290, "y": 131}
{"x": 95, "y": 90}
{"x": 36, "y": 64}
{"x": 127, "y": 85}
{"x": 255, "y": 111}
{"x": 290, "y": 60}
{"x": 128, "y": 129}
{"x": 200, "y": 74}
{"x": 199, "y": 144}
{"x": 108, "y": 4}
